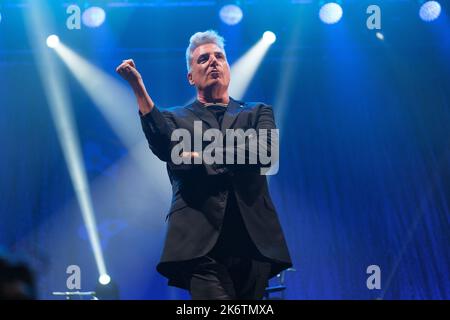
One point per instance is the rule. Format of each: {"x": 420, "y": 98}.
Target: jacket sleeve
{"x": 259, "y": 149}
{"x": 158, "y": 127}
{"x": 263, "y": 147}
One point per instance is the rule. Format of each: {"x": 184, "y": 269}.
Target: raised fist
{"x": 127, "y": 70}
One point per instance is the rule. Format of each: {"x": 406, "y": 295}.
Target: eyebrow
{"x": 207, "y": 55}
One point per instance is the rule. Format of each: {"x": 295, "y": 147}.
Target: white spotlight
{"x": 269, "y": 37}
{"x": 243, "y": 70}
{"x": 380, "y": 36}
{"x": 60, "y": 107}
{"x": 330, "y": 13}
{"x": 93, "y": 17}
{"x": 104, "y": 279}
{"x": 52, "y": 41}
{"x": 430, "y": 11}
{"x": 231, "y": 14}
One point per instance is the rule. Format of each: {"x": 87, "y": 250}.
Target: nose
{"x": 214, "y": 61}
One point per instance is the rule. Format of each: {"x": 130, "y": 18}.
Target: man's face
{"x": 209, "y": 67}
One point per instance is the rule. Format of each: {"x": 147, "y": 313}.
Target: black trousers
{"x": 234, "y": 268}
{"x": 231, "y": 278}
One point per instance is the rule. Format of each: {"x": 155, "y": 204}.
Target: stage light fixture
{"x": 93, "y": 17}
{"x": 52, "y": 41}
{"x": 330, "y": 13}
{"x": 269, "y": 37}
{"x": 104, "y": 279}
{"x": 231, "y": 14}
{"x": 430, "y": 11}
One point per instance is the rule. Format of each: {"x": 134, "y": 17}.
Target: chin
{"x": 213, "y": 82}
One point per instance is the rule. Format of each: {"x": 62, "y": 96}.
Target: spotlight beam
{"x": 116, "y": 103}
{"x": 112, "y": 98}
{"x": 244, "y": 69}
{"x": 60, "y": 108}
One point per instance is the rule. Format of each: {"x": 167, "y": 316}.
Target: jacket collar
{"x": 233, "y": 109}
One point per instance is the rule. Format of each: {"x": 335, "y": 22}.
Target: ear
{"x": 191, "y": 81}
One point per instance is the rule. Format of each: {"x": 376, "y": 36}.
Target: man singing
{"x": 224, "y": 240}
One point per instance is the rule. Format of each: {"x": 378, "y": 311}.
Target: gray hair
{"x": 200, "y": 38}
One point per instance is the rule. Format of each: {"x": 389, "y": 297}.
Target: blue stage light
{"x": 330, "y": 13}
{"x": 231, "y": 14}
{"x": 93, "y": 17}
{"x": 430, "y": 11}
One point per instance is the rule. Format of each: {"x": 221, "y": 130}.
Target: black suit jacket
{"x": 200, "y": 191}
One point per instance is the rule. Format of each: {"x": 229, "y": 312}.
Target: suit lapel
{"x": 233, "y": 109}
{"x": 201, "y": 112}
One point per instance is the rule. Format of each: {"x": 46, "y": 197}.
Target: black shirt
{"x": 234, "y": 239}
{"x": 218, "y": 110}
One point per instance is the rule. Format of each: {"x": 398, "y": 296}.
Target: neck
{"x": 213, "y": 96}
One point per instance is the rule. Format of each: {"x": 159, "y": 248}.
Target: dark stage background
{"x": 364, "y": 173}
